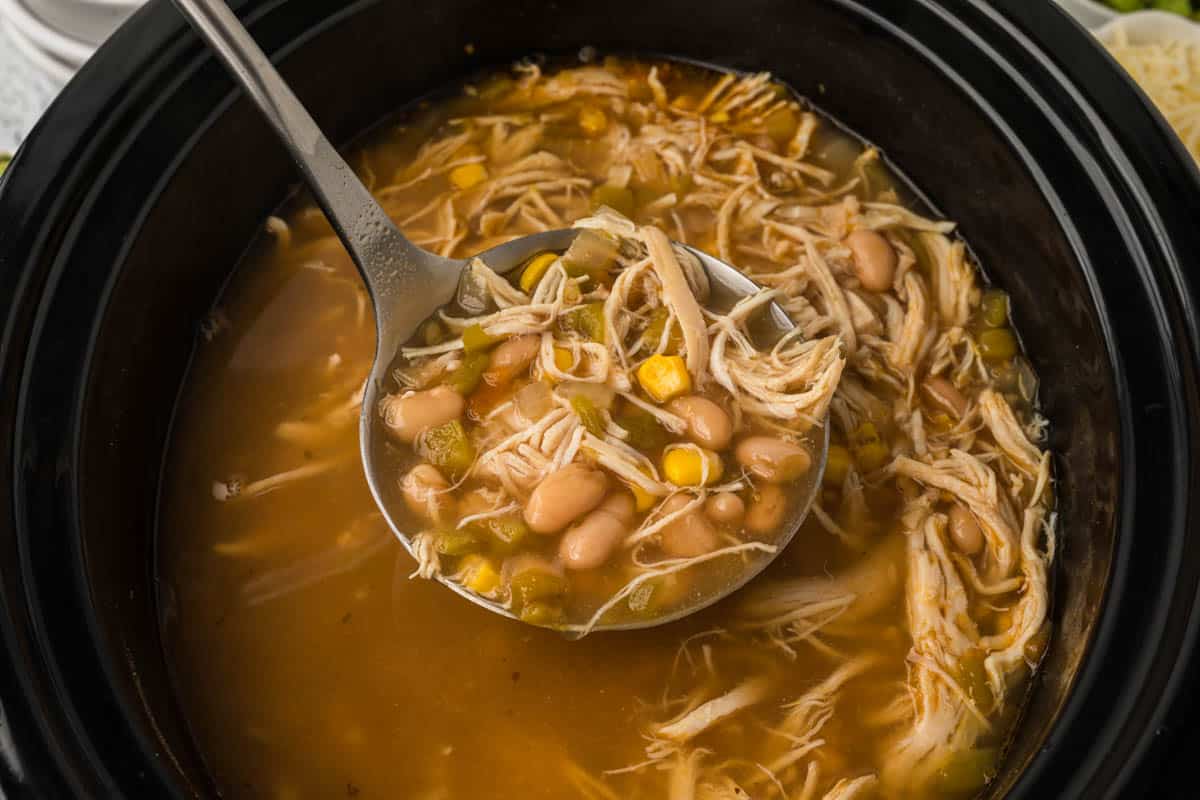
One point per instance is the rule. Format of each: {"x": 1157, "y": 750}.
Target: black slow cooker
{"x": 129, "y": 205}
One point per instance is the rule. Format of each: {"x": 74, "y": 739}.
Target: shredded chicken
{"x": 852, "y": 788}
{"x": 704, "y": 716}
{"x": 678, "y": 296}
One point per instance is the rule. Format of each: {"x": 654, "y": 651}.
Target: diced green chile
{"x": 476, "y": 340}
{"x": 457, "y": 543}
{"x": 588, "y": 414}
{"x": 536, "y": 583}
{"x": 465, "y": 379}
{"x": 645, "y": 432}
{"x": 541, "y": 612}
{"x": 587, "y": 320}
{"x": 505, "y": 533}
{"x": 447, "y": 447}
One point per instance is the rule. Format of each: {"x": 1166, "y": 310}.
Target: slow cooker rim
{"x": 1118, "y": 589}
{"x": 91, "y": 74}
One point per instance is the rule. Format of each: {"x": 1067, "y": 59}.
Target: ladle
{"x": 408, "y": 284}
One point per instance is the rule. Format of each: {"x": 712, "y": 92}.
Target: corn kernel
{"x": 592, "y": 121}
{"x": 664, "y": 377}
{"x": 642, "y": 500}
{"x": 563, "y": 359}
{"x": 534, "y": 270}
{"x": 468, "y": 175}
{"x": 480, "y": 574}
{"x": 719, "y": 116}
{"x": 872, "y": 455}
{"x": 685, "y": 466}
{"x": 837, "y": 465}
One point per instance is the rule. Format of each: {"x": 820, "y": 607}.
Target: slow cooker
{"x": 128, "y": 207}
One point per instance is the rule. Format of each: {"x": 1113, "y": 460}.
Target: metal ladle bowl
{"x": 408, "y": 284}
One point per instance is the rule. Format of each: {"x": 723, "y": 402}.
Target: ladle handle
{"x": 370, "y": 236}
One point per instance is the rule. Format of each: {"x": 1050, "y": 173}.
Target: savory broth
{"x": 884, "y": 654}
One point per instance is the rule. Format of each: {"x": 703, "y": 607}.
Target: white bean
{"x": 965, "y": 531}
{"x": 689, "y": 536}
{"x": 707, "y": 423}
{"x": 774, "y": 460}
{"x": 725, "y": 508}
{"x": 874, "y": 259}
{"x": 766, "y": 512}
{"x": 563, "y": 497}
{"x": 511, "y": 357}
{"x": 424, "y": 490}
{"x": 590, "y": 543}
{"x": 406, "y": 417}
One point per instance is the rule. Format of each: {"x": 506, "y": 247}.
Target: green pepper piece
{"x": 587, "y": 319}
{"x": 447, "y": 447}
{"x": 654, "y": 331}
{"x": 541, "y": 613}
{"x": 535, "y": 583}
{"x": 1126, "y": 6}
{"x": 589, "y": 415}
{"x": 655, "y": 595}
{"x": 997, "y": 344}
{"x": 645, "y": 432}
{"x": 456, "y": 543}
{"x": 505, "y": 533}
{"x": 465, "y": 379}
{"x": 994, "y": 308}
{"x": 4, "y": 159}
{"x": 476, "y": 340}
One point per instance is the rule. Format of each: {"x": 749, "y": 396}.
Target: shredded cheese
{"x": 1169, "y": 72}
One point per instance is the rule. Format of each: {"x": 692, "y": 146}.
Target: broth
{"x": 311, "y": 665}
